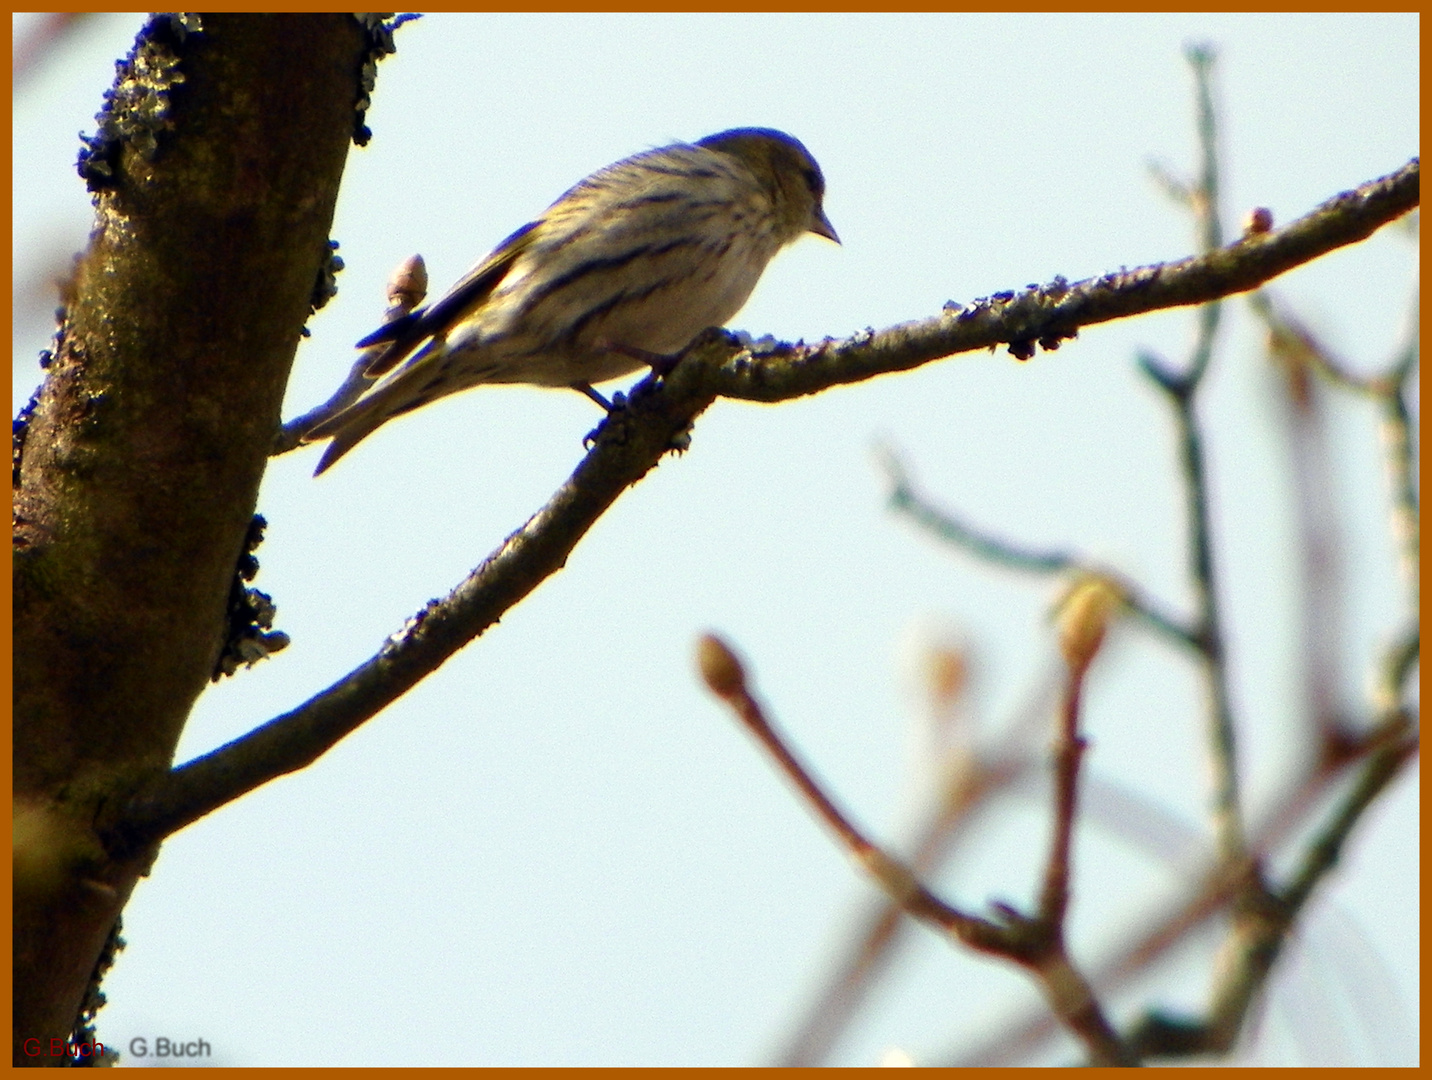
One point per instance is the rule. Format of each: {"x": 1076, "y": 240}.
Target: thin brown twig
{"x": 1035, "y": 943}
{"x": 966, "y": 788}
{"x": 1069, "y": 748}
{"x": 726, "y": 678}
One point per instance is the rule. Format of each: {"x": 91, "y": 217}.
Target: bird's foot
{"x": 617, "y": 404}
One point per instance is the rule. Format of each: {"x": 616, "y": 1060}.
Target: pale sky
{"x": 558, "y": 850}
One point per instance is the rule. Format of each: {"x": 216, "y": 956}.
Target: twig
{"x": 726, "y": 678}
{"x": 966, "y": 788}
{"x": 1182, "y": 390}
{"x": 906, "y": 499}
{"x": 1035, "y": 943}
{"x": 1323, "y": 850}
{"x": 1216, "y": 887}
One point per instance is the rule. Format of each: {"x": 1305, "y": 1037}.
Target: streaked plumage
{"x": 640, "y": 256}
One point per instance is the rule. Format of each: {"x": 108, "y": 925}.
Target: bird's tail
{"x": 424, "y": 378}
{"x": 347, "y": 430}
{"x": 390, "y": 398}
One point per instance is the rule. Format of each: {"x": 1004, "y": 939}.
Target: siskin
{"x": 624, "y": 270}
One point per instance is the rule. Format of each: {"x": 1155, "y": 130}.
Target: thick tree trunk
{"x": 137, "y": 473}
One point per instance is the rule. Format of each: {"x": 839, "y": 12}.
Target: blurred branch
{"x": 1262, "y": 920}
{"x": 1323, "y": 850}
{"x": 967, "y": 783}
{"x": 1385, "y": 750}
{"x": 1301, "y": 350}
{"x": 905, "y": 499}
{"x": 1318, "y": 542}
{"x": 1034, "y": 942}
{"x": 1181, "y": 390}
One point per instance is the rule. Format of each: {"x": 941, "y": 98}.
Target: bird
{"x": 623, "y": 271}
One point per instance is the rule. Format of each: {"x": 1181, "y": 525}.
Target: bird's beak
{"x": 822, "y": 226}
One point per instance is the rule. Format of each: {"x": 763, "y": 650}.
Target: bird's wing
{"x": 407, "y": 332}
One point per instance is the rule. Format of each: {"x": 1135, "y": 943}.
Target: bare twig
{"x": 1034, "y": 942}
{"x": 966, "y": 788}
{"x": 1222, "y": 881}
{"x": 1322, "y": 852}
{"x": 726, "y": 678}
{"x": 1182, "y": 390}
{"x": 906, "y": 499}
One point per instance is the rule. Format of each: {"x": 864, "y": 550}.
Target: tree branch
{"x": 906, "y": 499}
{"x": 1034, "y": 942}
{"x": 627, "y": 445}
{"x": 657, "y": 416}
{"x": 1051, "y": 313}
{"x": 1182, "y": 392}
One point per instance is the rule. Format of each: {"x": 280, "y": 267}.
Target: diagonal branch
{"x": 631, "y": 441}
{"x": 1036, "y": 941}
{"x": 905, "y": 498}
{"x": 657, "y": 416}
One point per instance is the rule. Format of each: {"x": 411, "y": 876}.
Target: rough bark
{"x": 216, "y": 172}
